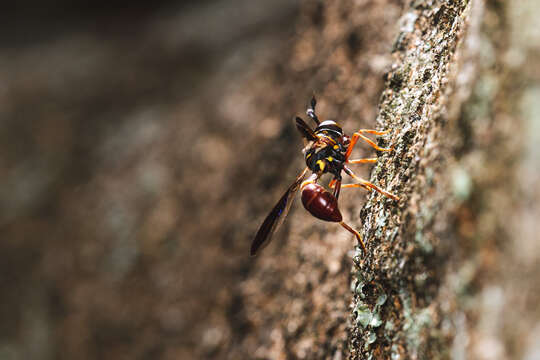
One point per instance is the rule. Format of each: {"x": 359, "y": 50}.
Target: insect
{"x": 327, "y": 150}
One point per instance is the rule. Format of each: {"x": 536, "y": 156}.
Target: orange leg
{"x": 367, "y": 185}
{"x": 362, "y": 161}
{"x": 345, "y": 186}
{"x": 332, "y": 184}
{"x": 356, "y": 234}
{"x": 359, "y": 135}
{"x": 374, "y": 132}
{"x": 336, "y": 185}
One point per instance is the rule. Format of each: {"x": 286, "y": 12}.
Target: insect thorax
{"x": 327, "y": 154}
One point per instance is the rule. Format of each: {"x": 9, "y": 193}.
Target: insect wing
{"x": 305, "y": 130}
{"x": 276, "y": 216}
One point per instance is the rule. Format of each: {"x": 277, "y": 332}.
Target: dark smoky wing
{"x": 271, "y": 223}
{"x": 305, "y": 130}
{"x": 276, "y": 217}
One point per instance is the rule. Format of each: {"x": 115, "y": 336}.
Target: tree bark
{"x": 399, "y": 286}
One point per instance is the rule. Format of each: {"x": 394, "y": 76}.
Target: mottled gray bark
{"x": 400, "y": 295}
{"x": 443, "y": 274}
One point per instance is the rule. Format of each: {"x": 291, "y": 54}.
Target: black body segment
{"x": 327, "y": 153}
{"x": 325, "y": 159}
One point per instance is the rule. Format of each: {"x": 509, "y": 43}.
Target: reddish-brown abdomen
{"x": 320, "y": 203}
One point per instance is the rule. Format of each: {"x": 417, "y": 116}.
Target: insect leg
{"x": 362, "y": 161}
{"x": 374, "y": 132}
{"x": 370, "y": 186}
{"x": 336, "y": 185}
{"x": 356, "y": 234}
{"x": 367, "y": 185}
{"x": 360, "y": 135}
{"x": 346, "y": 186}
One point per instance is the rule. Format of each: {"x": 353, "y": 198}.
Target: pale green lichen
{"x": 424, "y": 217}
{"x": 381, "y": 300}
{"x": 376, "y": 320}
{"x": 415, "y": 323}
{"x": 429, "y": 176}
{"x": 364, "y": 315}
{"x": 461, "y": 280}
{"x": 420, "y": 279}
{"x": 461, "y": 184}
{"x": 372, "y": 337}
{"x": 395, "y": 353}
{"x": 421, "y": 240}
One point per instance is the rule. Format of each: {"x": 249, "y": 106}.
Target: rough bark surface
{"x": 400, "y": 295}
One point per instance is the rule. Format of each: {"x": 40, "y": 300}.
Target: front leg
{"x": 360, "y": 135}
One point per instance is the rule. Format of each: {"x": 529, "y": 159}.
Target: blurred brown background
{"x": 142, "y": 144}
{"x": 128, "y": 193}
